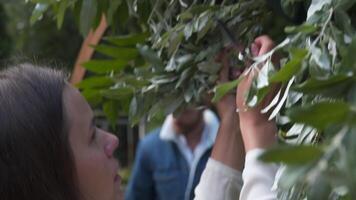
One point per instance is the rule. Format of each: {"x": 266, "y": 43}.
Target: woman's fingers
{"x": 261, "y": 45}
{"x": 264, "y": 44}
{"x": 256, "y": 130}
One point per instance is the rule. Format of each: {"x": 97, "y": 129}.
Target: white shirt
{"x": 211, "y": 126}
{"x": 220, "y": 182}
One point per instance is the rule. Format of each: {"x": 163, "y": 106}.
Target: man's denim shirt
{"x": 163, "y": 169}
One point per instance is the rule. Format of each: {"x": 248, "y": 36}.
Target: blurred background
{"x": 42, "y": 43}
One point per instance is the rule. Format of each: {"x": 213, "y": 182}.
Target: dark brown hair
{"x": 36, "y": 161}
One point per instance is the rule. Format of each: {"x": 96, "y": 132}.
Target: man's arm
{"x": 221, "y": 178}
{"x": 229, "y": 147}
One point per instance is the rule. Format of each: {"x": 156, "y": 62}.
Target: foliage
{"x": 42, "y": 43}
{"x": 315, "y": 104}
{"x": 171, "y": 64}
{"x": 6, "y": 43}
{"x": 167, "y": 61}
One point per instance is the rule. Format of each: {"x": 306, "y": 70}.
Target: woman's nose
{"x": 111, "y": 144}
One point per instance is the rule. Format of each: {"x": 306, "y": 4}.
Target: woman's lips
{"x": 117, "y": 178}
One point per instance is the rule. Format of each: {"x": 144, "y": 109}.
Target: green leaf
{"x": 196, "y": 10}
{"x": 291, "y": 68}
{"x": 184, "y": 61}
{"x": 174, "y": 42}
{"x": 316, "y": 6}
{"x": 87, "y": 15}
{"x": 144, "y": 9}
{"x": 42, "y": 1}
{"x": 167, "y": 104}
{"x": 185, "y": 75}
{"x": 122, "y": 53}
{"x": 319, "y": 61}
{"x": 93, "y": 96}
{"x": 101, "y": 9}
{"x": 96, "y": 82}
{"x": 104, "y": 66}
{"x": 114, "y": 5}
{"x": 349, "y": 59}
{"x": 171, "y": 65}
{"x": 209, "y": 67}
{"x": 222, "y": 89}
{"x": 118, "y": 93}
{"x": 205, "y": 30}
{"x": 163, "y": 79}
{"x": 304, "y": 28}
{"x": 292, "y": 155}
{"x": 351, "y": 95}
{"x": 189, "y": 93}
{"x": 262, "y": 93}
{"x": 208, "y": 52}
{"x": 133, "y": 110}
{"x": 128, "y": 40}
{"x": 38, "y": 12}
{"x": 173, "y": 105}
{"x": 343, "y": 20}
{"x": 61, "y": 12}
{"x": 292, "y": 174}
{"x": 201, "y": 21}
{"x": 111, "y": 110}
{"x": 345, "y": 4}
{"x": 150, "y": 55}
{"x": 320, "y": 189}
{"x": 133, "y": 81}
{"x": 188, "y": 30}
{"x": 156, "y": 121}
{"x": 123, "y": 16}
{"x": 313, "y": 85}
{"x": 320, "y": 115}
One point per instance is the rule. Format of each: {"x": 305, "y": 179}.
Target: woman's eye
{"x": 93, "y": 136}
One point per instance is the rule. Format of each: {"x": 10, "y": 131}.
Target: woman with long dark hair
{"x": 50, "y": 148}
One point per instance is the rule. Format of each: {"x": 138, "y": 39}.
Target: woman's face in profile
{"x": 93, "y": 150}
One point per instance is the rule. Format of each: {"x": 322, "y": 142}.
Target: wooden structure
{"x": 86, "y": 52}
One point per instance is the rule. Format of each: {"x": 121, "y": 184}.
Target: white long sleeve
{"x": 221, "y": 182}
{"x": 218, "y": 182}
{"x": 258, "y": 178}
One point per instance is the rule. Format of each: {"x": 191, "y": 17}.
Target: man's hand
{"x": 226, "y": 107}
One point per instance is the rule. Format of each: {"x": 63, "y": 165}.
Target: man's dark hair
{"x": 36, "y": 161}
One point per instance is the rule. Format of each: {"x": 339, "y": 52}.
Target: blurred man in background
{"x": 171, "y": 159}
